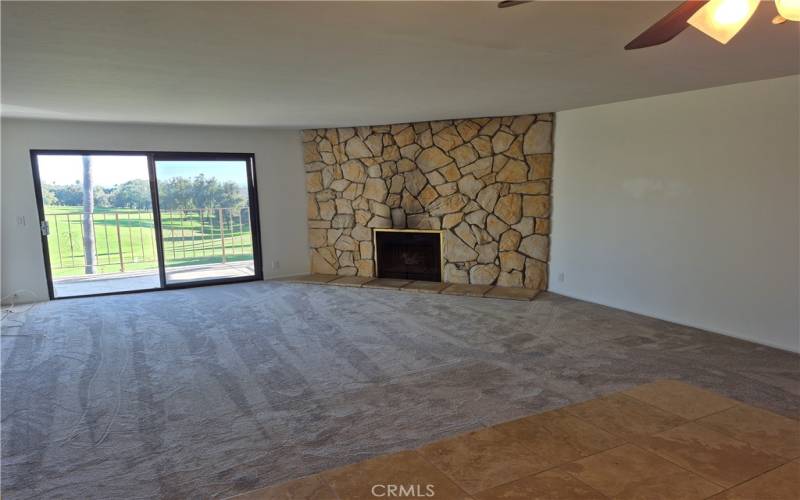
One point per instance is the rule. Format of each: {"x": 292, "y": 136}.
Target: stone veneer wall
{"x": 485, "y": 181}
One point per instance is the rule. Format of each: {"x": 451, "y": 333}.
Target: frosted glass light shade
{"x": 722, "y": 19}
{"x": 789, "y": 9}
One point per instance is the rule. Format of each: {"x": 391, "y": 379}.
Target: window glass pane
{"x": 205, "y": 219}
{"x": 98, "y": 209}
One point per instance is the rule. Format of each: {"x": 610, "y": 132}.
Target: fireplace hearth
{"x": 408, "y": 254}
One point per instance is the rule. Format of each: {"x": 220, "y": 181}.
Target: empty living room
{"x": 458, "y": 250}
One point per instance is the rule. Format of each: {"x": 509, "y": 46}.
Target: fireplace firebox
{"x": 408, "y": 254}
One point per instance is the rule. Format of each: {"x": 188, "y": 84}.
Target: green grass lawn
{"x": 129, "y": 235}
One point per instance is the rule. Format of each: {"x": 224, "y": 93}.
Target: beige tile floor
{"x": 663, "y": 440}
{"x": 495, "y": 292}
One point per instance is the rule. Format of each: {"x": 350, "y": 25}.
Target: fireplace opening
{"x": 412, "y": 255}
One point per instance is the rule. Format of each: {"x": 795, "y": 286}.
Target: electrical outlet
{"x": 276, "y": 264}
{"x": 561, "y": 277}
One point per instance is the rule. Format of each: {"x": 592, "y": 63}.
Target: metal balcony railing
{"x": 125, "y": 239}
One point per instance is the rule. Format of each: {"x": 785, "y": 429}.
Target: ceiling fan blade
{"x": 510, "y": 3}
{"x": 668, "y": 27}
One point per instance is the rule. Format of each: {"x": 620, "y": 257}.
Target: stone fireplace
{"x": 483, "y": 183}
{"x": 408, "y": 254}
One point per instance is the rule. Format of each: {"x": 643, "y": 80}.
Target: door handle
{"x": 45, "y": 228}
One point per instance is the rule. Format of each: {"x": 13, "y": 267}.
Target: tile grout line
{"x": 554, "y": 467}
{"x": 650, "y": 435}
{"x": 629, "y": 396}
{"x": 693, "y": 473}
{"x": 625, "y": 441}
{"x": 587, "y": 456}
{"x": 757, "y": 476}
{"x": 697, "y": 421}
{"x": 666, "y": 457}
{"x": 547, "y": 469}
{"x": 561, "y": 464}
{"x": 431, "y": 464}
{"x": 550, "y": 469}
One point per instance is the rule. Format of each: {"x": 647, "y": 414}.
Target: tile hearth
{"x": 488, "y": 291}
{"x": 665, "y": 440}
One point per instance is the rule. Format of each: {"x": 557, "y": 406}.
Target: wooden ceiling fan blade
{"x": 510, "y": 3}
{"x": 668, "y": 27}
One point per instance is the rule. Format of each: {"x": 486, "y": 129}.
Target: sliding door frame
{"x": 152, "y": 156}
{"x": 255, "y": 230}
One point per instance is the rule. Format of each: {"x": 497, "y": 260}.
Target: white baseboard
{"x": 735, "y": 335}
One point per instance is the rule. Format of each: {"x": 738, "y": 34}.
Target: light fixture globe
{"x": 722, "y": 19}
{"x": 789, "y": 9}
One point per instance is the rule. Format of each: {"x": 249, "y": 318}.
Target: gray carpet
{"x": 208, "y": 392}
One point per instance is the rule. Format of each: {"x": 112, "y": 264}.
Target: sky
{"x": 110, "y": 170}
{"x": 224, "y": 171}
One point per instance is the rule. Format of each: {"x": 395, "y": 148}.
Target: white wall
{"x": 684, "y": 207}
{"x": 279, "y": 173}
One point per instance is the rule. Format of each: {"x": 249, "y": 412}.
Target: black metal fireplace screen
{"x": 414, "y": 255}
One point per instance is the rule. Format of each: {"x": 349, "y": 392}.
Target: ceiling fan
{"x": 719, "y": 19}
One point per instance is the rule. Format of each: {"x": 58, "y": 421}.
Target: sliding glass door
{"x": 97, "y": 220}
{"x": 206, "y": 217}
{"x": 115, "y": 222}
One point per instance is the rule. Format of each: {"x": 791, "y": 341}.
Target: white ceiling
{"x": 297, "y": 64}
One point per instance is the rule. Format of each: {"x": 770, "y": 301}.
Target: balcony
{"x": 198, "y": 245}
